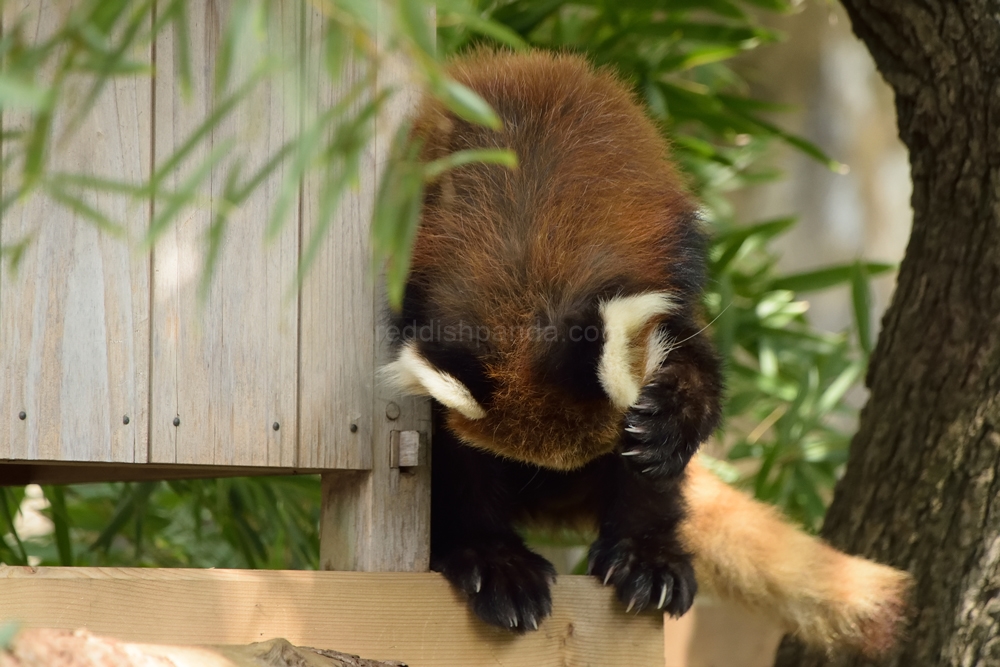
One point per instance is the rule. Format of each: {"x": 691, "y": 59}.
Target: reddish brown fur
{"x": 593, "y": 211}
{"x": 610, "y": 204}
{"x": 745, "y": 551}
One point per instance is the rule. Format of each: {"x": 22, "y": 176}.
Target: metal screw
{"x": 21, "y": 415}
{"x": 177, "y": 421}
{"x": 276, "y": 426}
{"x": 354, "y": 428}
{"x": 125, "y": 420}
{"x": 392, "y": 411}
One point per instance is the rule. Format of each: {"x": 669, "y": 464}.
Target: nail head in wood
{"x": 276, "y": 426}
{"x": 22, "y": 415}
{"x": 354, "y": 428}
{"x": 406, "y": 449}
{"x": 177, "y": 421}
{"x": 392, "y": 411}
{"x": 125, "y": 420}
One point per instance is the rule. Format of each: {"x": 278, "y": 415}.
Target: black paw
{"x": 647, "y": 578}
{"x": 507, "y": 584}
{"x": 665, "y": 427}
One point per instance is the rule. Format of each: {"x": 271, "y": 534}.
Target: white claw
{"x": 478, "y": 580}
{"x": 634, "y": 429}
{"x": 534, "y": 623}
{"x": 632, "y": 452}
{"x": 513, "y": 621}
{"x": 607, "y": 577}
{"x": 648, "y": 470}
{"x": 663, "y": 597}
{"x": 631, "y": 603}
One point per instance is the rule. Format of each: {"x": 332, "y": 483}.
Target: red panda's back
{"x": 593, "y": 202}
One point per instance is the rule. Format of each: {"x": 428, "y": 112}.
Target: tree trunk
{"x": 922, "y": 483}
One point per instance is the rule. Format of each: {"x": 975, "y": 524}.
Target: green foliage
{"x": 257, "y": 522}
{"x": 786, "y": 381}
{"x": 787, "y": 421}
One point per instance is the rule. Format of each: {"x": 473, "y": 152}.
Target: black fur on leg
{"x": 473, "y": 542}
{"x": 638, "y": 550}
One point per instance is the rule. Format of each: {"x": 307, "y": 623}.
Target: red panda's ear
{"x": 413, "y": 374}
{"x": 626, "y": 360}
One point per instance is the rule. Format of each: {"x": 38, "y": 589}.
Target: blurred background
{"x": 839, "y": 102}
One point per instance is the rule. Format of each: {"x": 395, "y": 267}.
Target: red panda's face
{"x": 553, "y": 392}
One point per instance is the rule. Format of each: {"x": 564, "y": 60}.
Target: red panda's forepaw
{"x": 656, "y": 439}
{"x": 507, "y": 584}
{"x": 644, "y": 578}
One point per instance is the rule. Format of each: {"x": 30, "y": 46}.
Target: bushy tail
{"x": 746, "y": 552}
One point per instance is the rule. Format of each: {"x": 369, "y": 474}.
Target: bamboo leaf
{"x": 84, "y": 210}
{"x": 861, "y": 300}
{"x": 56, "y": 495}
{"x": 835, "y": 392}
{"x": 467, "y": 104}
{"x": 412, "y": 16}
{"x": 8, "y": 508}
{"x": 185, "y": 194}
{"x": 810, "y": 281}
{"x": 19, "y": 94}
{"x": 434, "y": 169}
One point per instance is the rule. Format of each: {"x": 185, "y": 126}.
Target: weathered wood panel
{"x": 416, "y": 618}
{"x": 74, "y": 322}
{"x": 336, "y": 299}
{"x": 380, "y": 521}
{"x": 224, "y": 370}
{"x": 94, "y": 329}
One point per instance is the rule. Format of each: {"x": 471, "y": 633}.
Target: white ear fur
{"x": 624, "y": 317}
{"x": 412, "y": 374}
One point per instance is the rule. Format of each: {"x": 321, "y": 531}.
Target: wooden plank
{"x": 380, "y": 521}
{"x": 336, "y": 317}
{"x": 59, "y": 472}
{"x": 416, "y": 618}
{"x": 225, "y": 369}
{"x": 74, "y": 336}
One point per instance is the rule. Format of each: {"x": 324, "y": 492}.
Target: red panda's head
{"x": 551, "y": 390}
{"x": 535, "y": 294}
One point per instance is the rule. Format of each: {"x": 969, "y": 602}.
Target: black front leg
{"x": 638, "y": 549}
{"x": 679, "y": 407}
{"x": 473, "y": 542}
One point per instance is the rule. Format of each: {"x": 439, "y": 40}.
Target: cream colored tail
{"x": 744, "y": 551}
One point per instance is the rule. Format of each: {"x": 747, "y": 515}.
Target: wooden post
{"x": 379, "y": 520}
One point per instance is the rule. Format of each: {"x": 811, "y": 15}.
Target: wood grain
{"x": 380, "y": 521}
{"x": 337, "y": 322}
{"x": 416, "y": 618}
{"x": 226, "y": 368}
{"x": 74, "y": 322}
{"x": 62, "y": 472}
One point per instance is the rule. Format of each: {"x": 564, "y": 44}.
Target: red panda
{"x": 552, "y": 313}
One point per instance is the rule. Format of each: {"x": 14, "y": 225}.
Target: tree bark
{"x": 923, "y": 478}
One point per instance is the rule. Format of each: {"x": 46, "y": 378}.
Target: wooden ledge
{"x": 415, "y": 618}
{"x": 19, "y": 473}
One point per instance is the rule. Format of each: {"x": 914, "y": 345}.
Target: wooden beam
{"x": 19, "y": 473}
{"x": 379, "y": 520}
{"x": 416, "y": 618}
